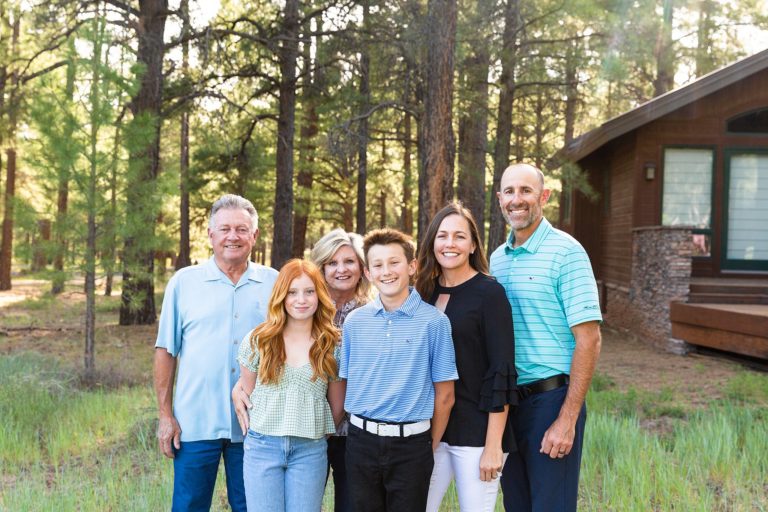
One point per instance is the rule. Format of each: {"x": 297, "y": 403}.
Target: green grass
{"x": 67, "y": 448}
{"x": 714, "y": 458}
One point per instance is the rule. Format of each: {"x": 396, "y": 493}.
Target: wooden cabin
{"x": 678, "y": 236}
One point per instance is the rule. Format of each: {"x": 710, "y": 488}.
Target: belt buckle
{"x": 382, "y": 429}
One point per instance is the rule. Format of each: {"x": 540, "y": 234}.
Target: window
{"x": 748, "y": 207}
{"x": 751, "y": 122}
{"x": 687, "y": 197}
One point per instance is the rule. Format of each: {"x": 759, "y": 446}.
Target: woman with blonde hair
{"x": 289, "y": 368}
{"x": 339, "y": 255}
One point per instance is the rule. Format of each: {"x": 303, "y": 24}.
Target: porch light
{"x": 650, "y": 170}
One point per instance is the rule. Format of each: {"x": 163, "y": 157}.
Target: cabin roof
{"x": 655, "y": 108}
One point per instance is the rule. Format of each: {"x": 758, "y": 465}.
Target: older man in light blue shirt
{"x": 207, "y": 309}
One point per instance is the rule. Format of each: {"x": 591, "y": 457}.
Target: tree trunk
{"x": 89, "y": 357}
{"x": 62, "y": 196}
{"x": 110, "y": 233}
{"x": 473, "y": 123}
{"x": 6, "y": 247}
{"x": 665, "y": 59}
{"x": 362, "y": 132}
{"x": 705, "y": 60}
{"x": 183, "y": 258}
{"x": 436, "y": 182}
{"x": 138, "y": 297}
{"x": 406, "y": 214}
{"x": 504, "y": 121}
{"x": 571, "y": 93}
{"x": 282, "y": 223}
{"x": 307, "y": 147}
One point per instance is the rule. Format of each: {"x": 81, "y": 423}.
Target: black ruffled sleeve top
{"x": 484, "y": 342}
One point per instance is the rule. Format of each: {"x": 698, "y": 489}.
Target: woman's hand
{"x": 242, "y": 403}
{"x": 491, "y": 461}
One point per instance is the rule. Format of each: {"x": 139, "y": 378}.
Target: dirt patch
{"x": 630, "y": 362}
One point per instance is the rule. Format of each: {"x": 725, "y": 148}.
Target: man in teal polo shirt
{"x": 551, "y": 288}
{"x": 207, "y": 309}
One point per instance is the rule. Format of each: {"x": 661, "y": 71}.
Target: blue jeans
{"x": 533, "y": 481}
{"x": 284, "y": 473}
{"x": 195, "y": 467}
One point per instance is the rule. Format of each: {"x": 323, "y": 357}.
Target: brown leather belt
{"x": 543, "y": 385}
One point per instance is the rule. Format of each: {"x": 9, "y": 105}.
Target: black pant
{"x": 336, "y": 450}
{"x": 388, "y": 473}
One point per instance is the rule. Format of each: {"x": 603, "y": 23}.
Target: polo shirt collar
{"x": 534, "y": 241}
{"x": 408, "y": 308}
{"x": 214, "y": 273}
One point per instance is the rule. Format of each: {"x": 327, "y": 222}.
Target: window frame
{"x": 695, "y": 231}
{"x": 725, "y": 262}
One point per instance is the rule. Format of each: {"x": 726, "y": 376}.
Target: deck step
{"x": 745, "y": 319}
{"x": 753, "y": 346}
{"x": 699, "y": 297}
{"x": 725, "y": 286}
{"x": 739, "y": 328}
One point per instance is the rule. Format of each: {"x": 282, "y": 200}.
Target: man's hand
{"x": 168, "y": 431}
{"x": 558, "y": 439}
{"x": 242, "y": 403}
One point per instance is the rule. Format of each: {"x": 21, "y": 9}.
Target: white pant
{"x": 462, "y": 463}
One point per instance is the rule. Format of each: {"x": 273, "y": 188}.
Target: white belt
{"x": 388, "y": 429}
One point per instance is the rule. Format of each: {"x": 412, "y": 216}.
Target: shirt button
{"x": 237, "y": 315}
{"x": 234, "y": 342}
{"x": 389, "y": 322}
{"x": 233, "y": 370}
{"x": 387, "y": 335}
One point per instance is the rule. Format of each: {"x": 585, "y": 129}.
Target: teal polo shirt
{"x": 203, "y": 319}
{"x": 551, "y": 288}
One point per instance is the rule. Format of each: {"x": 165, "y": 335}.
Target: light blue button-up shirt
{"x": 203, "y": 319}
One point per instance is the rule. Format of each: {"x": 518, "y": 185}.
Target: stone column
{"x": 661, "y": 273}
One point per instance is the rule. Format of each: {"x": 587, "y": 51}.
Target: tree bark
{"x": 95, "y": 99}
{"x": 362, "y": 132}
{"x": 138, "y": 298}
{"x": 705, "y": 60}
{"x": 282, "y": 223}
{"x": 571, "y": 93}
{"x": 665, "y": 63}
{"x": 6, "y": 247}
{"x": 504, "y": 118}
{"x": 307, "y": 147}
{"x": 183, "y": 259}
{"x": 473, "y": 121}
{"x": 62, "y": 195}
{"x": 436, "y": 182}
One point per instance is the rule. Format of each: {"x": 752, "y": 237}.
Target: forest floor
{"x": 34, "y": 321}
{"x": 664, "y": 430}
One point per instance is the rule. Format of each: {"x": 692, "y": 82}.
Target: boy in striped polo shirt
{"x": 398, "y": 361}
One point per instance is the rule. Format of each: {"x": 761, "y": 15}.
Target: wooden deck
{"x": 725, "y": 314}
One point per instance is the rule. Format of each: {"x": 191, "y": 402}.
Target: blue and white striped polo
{"x": 551, "y": 288}
{"x": 391, "y": 360}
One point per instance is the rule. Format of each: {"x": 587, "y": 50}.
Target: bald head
{"x": 522, "y": 170}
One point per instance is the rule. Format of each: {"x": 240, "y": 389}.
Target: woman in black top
{"x": 453, "y": 276}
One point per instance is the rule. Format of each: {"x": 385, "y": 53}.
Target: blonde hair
{"x": 326, "y": 248}
{"x": 269, "y": 335}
